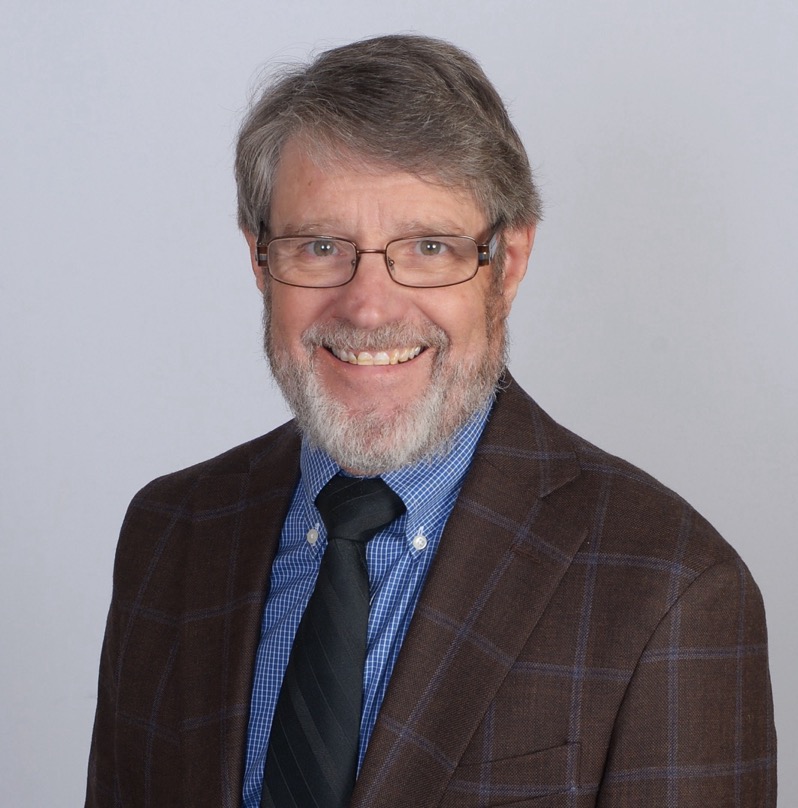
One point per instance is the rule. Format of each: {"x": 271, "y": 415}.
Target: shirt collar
{"x": 422, "y": 486}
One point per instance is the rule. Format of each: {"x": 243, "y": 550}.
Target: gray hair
{"x": 412, "y": 103}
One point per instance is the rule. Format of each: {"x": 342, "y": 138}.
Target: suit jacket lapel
{"x": 504, "y": 549}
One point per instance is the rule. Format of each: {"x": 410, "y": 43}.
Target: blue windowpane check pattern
{"x": 398, "y": 558}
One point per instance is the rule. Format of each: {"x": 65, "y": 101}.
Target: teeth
{"x": 395, "y": 356}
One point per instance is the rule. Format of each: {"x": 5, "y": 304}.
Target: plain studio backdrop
{"x": 658, "y": 318}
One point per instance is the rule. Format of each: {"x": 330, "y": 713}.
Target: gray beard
{"x": 371, "y": 440}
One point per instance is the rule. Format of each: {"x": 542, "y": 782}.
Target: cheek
{"x": 466, "y": 320}
{"x": 290, "y": 315}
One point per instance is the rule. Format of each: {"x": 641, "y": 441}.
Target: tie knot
{"x": 355, "y": 508}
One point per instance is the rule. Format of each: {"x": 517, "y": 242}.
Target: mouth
{"x": 395, "y": 343}
{"x": 393, "y": 356}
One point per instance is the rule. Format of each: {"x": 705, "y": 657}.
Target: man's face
{"x": 445, "y": 347}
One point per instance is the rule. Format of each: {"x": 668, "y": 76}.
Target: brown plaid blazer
{"x": 584, "y": 638}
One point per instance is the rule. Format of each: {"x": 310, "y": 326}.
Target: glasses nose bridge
{"x": 366, "y": 251}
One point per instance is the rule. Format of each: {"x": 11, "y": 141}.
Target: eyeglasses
{"x": 323, "y": 262}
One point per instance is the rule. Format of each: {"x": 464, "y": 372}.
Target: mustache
{"x": 342, "y": 335}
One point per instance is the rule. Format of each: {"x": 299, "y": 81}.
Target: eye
{"x": 430, "y": 247}
{"x": 320, "y": 248}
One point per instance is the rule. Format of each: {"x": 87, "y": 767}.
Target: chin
{"x": 366, "y": 440}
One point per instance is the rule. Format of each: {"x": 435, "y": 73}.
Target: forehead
{"x": 338, "y": 192}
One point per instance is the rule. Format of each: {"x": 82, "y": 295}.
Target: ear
{"x": 261, "y": 276}
{"x": 517, "y": 247}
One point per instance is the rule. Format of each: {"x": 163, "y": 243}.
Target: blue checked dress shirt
{"x": 398, "y": 559}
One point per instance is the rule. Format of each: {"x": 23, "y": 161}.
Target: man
{"x": 547, "y": 624}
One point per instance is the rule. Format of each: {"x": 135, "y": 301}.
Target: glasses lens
{"x": 311, "y": 261}
{"x": 433, "y": 260}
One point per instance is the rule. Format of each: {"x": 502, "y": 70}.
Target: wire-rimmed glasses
{"x": 323, "y": 262}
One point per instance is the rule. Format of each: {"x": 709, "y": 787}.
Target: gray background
{"x": 657, "y": 319}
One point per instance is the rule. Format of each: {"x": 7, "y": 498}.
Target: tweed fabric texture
{"x": 584, "y": 638}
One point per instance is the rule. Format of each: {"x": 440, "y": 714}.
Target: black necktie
{"x": 312, "y": 757}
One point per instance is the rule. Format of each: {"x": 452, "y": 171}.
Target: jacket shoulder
{"x": 650, "y": 508}
{"x": 638, "y": 513}
{"x": 275, "y": 448}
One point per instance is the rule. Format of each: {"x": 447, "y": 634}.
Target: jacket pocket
{"x": 529, "y": 779}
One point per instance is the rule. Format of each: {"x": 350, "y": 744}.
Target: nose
{"x": 371, "y": 298}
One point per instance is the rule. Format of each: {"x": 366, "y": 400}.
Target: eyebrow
{"x": 308, "y": 228}
{"x": 410, "y": 228}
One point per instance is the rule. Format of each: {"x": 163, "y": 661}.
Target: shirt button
{"x": 420, "y": 541}
{"x": 312, "y": 536}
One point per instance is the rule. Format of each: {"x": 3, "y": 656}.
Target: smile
{"x": 395, "y": 356}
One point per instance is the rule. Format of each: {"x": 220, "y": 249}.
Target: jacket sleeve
{"x": 123, "y": 729}
{"x": 696, "y": 725}
{"x": 100, "y": 788}
{"x": 103, "y": 789}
